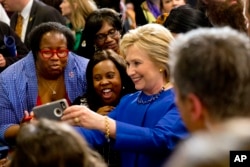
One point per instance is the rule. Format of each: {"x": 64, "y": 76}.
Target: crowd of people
{"x": 146, "y": 82}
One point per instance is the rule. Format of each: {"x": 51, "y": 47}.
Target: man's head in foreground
{"x": 211, "y": 74}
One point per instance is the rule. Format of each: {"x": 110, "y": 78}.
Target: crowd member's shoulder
{"x": 4, "y": 27}
{"x": 49, "y": 13}
{"x": 78, "y": 57}
{"x": 16, "y": 70}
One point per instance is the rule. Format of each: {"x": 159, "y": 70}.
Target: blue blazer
{"x": 146, "y": 134}
{"x": 19, "y": 89}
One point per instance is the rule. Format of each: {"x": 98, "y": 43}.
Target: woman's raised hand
{"x": 82, "y": 116}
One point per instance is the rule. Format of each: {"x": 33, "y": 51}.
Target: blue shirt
{"x": 146, "y": 134}
{"x": 19, "y": 89}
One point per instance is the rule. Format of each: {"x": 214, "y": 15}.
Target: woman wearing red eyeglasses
{"x": 48, "y": 73}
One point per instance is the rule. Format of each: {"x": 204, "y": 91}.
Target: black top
{"x": 111, "y": 157}
{"x": 5, "y": 30}
{"x": 40, "y": 13}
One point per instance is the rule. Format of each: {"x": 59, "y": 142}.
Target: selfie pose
{"x": 145, "y": 126}
{"x": 48, "y": 73}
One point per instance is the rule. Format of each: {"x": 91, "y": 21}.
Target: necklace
{"x": 144, "y": 99}
{"x": 52, "y": 89}
{"x": 47, "y": 84}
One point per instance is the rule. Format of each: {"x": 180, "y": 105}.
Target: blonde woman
{"x": 145, "y": 126}
{"x": 76, "y": 11}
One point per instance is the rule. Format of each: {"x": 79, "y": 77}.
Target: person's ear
{"x": 195, "y": 108}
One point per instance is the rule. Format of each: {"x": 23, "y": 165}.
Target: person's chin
{"x": 138, "y": 87}
{"x": 55, "y": 67}
{"x": 108, "y": 101}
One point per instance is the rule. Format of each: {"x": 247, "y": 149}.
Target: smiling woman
{"x": 145, "y": 126}
{"x": 107, "y": 83}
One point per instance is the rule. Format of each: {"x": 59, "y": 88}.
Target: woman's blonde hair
{"x": 80, "y": 11}
{"x": 152, "y": 38}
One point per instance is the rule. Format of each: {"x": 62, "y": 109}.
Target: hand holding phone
{"x": 53, "y": 110}
{"x": 27, "y": 117}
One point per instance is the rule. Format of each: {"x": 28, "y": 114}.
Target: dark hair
{"x": 93, "y": 99}
{"x": 94, "y": 23}
{"x": 37, "y": 33}
{"x": 53, "y": 3}
{"x": 185, "y": 18}
{"x": 200, "y": 5}
{"x": 47, "y": 143}
{"x": 113, "y": 4}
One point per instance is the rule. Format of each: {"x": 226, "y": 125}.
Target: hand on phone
{"x": 53, "y": 110}
{"x": 27, "y": 117}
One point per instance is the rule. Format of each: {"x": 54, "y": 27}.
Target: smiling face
{"x": 144, "y": 73}
{"x": 111, "y": 41}
{"x": 107, "y": 82}
{"x": 53, "y": 66}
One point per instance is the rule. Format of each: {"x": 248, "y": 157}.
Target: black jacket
{"x": 39, "y": 13}
{"x": 5, "y": 30}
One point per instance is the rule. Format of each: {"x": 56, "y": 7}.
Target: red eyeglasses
{"x": 49, "y": 53}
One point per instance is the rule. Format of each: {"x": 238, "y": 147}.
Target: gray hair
{"x": 213, "y": 64}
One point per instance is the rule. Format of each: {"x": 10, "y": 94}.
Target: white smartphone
{"x": 53, "y": 110}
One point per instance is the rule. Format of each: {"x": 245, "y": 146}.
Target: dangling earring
{"x": 123, "y": 87}
{"x": 95, "y": 48}
{"x": 160, "y": 70}
{"x": 83, "y": 43}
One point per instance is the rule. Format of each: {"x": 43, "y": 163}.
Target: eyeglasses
{"x": 102, "y": 37}
{"x": 49, "y": 53}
